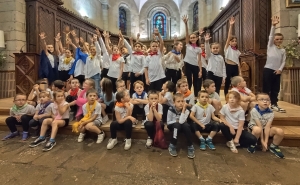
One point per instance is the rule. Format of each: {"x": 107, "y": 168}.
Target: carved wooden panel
{"x": 47, "y": 23}
{"x": 247, "y": 25}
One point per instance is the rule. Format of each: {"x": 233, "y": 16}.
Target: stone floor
{"x": 89, "y": 163}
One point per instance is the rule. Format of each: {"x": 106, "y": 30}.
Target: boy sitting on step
{"x": 261, "y": 126}
{"x": 20, "y": 114}
{"x": 139, "y": 100}
{"x": 214, "y": 98}
{"x": 205, "y": 120}
{"x": 41, "y": 85}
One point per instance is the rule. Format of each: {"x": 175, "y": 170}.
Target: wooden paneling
{"x": 7, "y": 84}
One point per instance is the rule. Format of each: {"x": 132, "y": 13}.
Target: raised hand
{"x": 97, "y": 31}
{"x": 42, "y": 35}
{"x": 76, "y": 40}
{"x": 231, "y": 20}
{"x": 207, "y": 37}
{"x": 69, "y": 41}
{"x": 73, "y": 33}
{"x": 185, "y": 19}
{"x": 81, "y": 40}
{"x": 121, "y": 35}
{"x": 57, "y": 37}
{"x": 95, "y": 37}
{"x": 275, "y": 20}
{"x": 138, "y": 36}
{"x": 155, "y": 32}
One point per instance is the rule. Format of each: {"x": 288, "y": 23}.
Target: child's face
{"x": 86, "y": 85}
{"x": 126, "y": 97}
{"x": 233, "y": 42}
{"x": 193, "y": 38}
{"x": 184, "y": 87}
{"x": 92, "y": 97}
{"x": 153, "y": 98}
{"x": 179, "y": 101}
{"x": 20, "y": 100}
{"x": 93, "y": 51}
{"x": 124, "y": 51}
{"x": 278, "y": 40}
{"x": 115, "y": 50}
{"x": 263, "y": 101}
{"x": 44, "y": 98}
{"x": 203, "y": 98}
{"x": 68, "y": 53}
{"x": 121, "y": 86}
{"x": 43, "y": 86}
{"x": 138, "y": 47}
{"x": 202, "y": 46}
{"x": 154, "y": 47}
{"x": 59, "y": 97}
{"x": 138, "y": 88}
{"x": 232, "y": 100}
{"x": 179, "y": 47}
{"x": 164, "y": 87}
{"x": 53, "y": 88}
{"x": 50, "y": 48}
{"x": 243, "y": 83}
{"x": 211, "y": 89}
{"x": 215, "y": 48}
{"x": 74, "y": 84}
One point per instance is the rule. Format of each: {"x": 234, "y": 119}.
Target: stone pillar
{"x": 105, "y": 8}
{"x": 216, "y": 5}
{"x": 202, "y": 13}
{"x": 209, "y": 11}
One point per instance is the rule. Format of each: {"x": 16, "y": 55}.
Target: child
{"x": 92, "y": 119}
{"x": 139, "y": 100}
{"x": 126, "y": 70}
{"x": 72, "y": 95}
{"x": 276, "y": 56}
{"x": 216, "y": 70}
{"x": 20, "y": 114}
{"x": 214, "y": 98}
{"x": 107, "y": 98}
{"x": 177, "y": 122}
{"x": 204, "y": 120}
{"x": 43, "y": 111}
{"x": 166, "y": 98}
{"x": 60, "y": 118}
{"x": 154, "y": 112}
{"x": 261, "y": 126}
{"x": 124, "y": 120}
{"x": 233, "y": 117}
{"x": 192, "y": 59}
{"x": 105, "y": 57}
{"x": 120, "y": 85}
{"x": 189, "y": 97}
{"x": 174, "y": 62}
{"x": 116, "y": 62}
{"x": 154, "y": 71}
{"x": 232, "y": 55}
{"x": 41, "y": 85}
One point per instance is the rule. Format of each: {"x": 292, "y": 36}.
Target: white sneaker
{"x": 278, "y": 109}
{"x": 100, "y": 138}
{"x": 127, "y": 144}
{"x": 105, "y": 119}
{"x": 149, "y": 142}
{"x": 111, "y": 143}
{"x": 143, "y": 123}
{"x": 135, "y": 123}
{"x": 81, "y": 137}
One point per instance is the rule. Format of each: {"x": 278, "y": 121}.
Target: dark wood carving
{"x": 252, "y": 26}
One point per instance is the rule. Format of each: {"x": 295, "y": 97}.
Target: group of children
{"x": 122, "y": 71}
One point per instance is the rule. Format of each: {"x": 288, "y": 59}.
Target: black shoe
{"x": 49, "y": 146}
{"x": 37, "y": 142}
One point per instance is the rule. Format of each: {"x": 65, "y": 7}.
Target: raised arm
{"x": 231, "y": 23}
{"x": 275, "y": 21}
{"x": 129, "y": 48}
{"x": 44, "y": 44}
{"x": 161, "y": 41}
{"x": 106, "y": 37}
{"x": 207, "y": 47}
{"x": 57, "y": 44}
{"x": 185, "y": 20}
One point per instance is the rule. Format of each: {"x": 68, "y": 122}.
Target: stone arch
{"x": 126, "y": 8}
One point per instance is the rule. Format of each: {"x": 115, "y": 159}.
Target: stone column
{"x": 209, "y": 12}
{"x": 105, "y": 8}
{"x": 216, "y": 5}
{"x": 202, "y": 13}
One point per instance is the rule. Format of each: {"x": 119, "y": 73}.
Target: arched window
{"x": 195, "y": 17}
{"x": 159, "y": 22}
{"x": 122, "y": 21}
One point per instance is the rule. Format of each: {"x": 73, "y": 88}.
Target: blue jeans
{"x": 97, "y": 79}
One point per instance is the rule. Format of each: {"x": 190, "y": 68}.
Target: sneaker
{"x": 191, "y": 152}
{"x": 81, "y": 137}
{"x": 100, "y": 138}
{"x": 135, "y": 123}
{"x": 276, "y": 150}
{"x": 149, "y": 142}
{"x": 251, "y": 149}
{"x": 11, "y": 135}
{"x": 37, "y": 142}
{"x": 25, "y": 136}
{"x": 278, "y": 109}
{"x": 210, "y": 144}
{"x": 49, "y": 146}
{"x": 105, "y": 119}
{"x": 111, "y": 143}
{"x": 202, "y": 144}
{"x": 143, "y": 124}
{"x": 172, "y": 150}
{"x": 127, "y": 144}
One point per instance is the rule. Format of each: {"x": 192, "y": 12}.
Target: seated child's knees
{"x": 279, "y": 132}
{"x": 256, "y": 130}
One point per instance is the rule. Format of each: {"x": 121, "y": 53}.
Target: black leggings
{"x": 137, "y": 110}
{"x": 231, "y": 71}
{"x": 204, "y": 75}
{"x": 133, "y": 79}
{"x": 218, "y": 80}
{"x": 246, "y": 138}
{"x": 11, "y": 122}
{"x": 151, "y": 129}
{"x": 156, "y": 85}
{"x": 172, "y": 75}
{"x": 271, "y": 84}
{"x": 125, "y": 77}
{"x": 115, "y": 126}
{"x": 212, "y": 126}
{"x": 165, "y": 112}
{"x": 113, "y": 81}
{"x": 104, "y": 73}
{"x": 193, "y": 71}
{"x": 176, "y": 128}
{"x": 37, "y": 123}
{"x": 81, "y": 79}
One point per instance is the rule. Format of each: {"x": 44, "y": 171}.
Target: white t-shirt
{"x": 145, "y": 97}
{"x": 62, "y": 66}
{"x": 204, "y": 62}
{"x": 216, "y": 63}
{"x": 155, "y": 68}
{"x": 215, "y": 96}
{"x": 137, "y": 62}
{"x": 191, "y": 55}
{"x": 204, "y": 116}
{"x": 126, "y": 67}
{"x": 190, "y": 99}
{"x": 93, "y": 64}
{"x": 97, "y": 110}
{"x": 159, "y": 110}
{"x": 123, "y": 110}
{"x": 233, "y": 55}
{"x": 51, "y": 59}
{"x": 263, "y": 119}
{"x": 114, "y": 68}
{"x": 248, "y": 91}
{"x": 28, "y": 109}
{"x": 54, "y": 111}
{"x": 169, "y": 98}
{"x": 233, "y": 117}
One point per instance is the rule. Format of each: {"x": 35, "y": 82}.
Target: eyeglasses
{"x": 266, "y": 100}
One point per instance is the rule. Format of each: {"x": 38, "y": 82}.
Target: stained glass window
{"x": 159, "y": 22}
{"x": 195, "y": 17}
{"x": 122, "y": 21}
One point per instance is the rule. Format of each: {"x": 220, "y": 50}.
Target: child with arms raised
{"x": 92, "y": 119}
{"x": 205, "y": 120}
{"x": 214, "y": 98}
{"x": 20, "y": 114}
{"x": 261, "y": 126}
